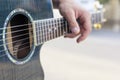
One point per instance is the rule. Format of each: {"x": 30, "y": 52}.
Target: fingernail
{"x": 75, "y": 30}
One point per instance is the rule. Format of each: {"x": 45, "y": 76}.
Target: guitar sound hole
{"x": 19, "y": 36}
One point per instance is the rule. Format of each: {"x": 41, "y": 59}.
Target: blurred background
{"x": 97, "y": 58}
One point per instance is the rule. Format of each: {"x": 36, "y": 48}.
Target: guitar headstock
{"x": 98, "y": 8}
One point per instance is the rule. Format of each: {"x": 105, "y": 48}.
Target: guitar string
{"x": 16, "y": 31}
{"x": 17, "y": 26}
{"x": 12, "y": 48}
{"x": 24, "y": 39}
{"x": 41, "y": 27}
{"x": 14, "y": 51}
{"x": 31, "y": 28}
{"x": 41, "y": 35}
{"x": 94, "y": 14}
{"x": 45, "y": 20}
{"x": 14, "y": 37}
{"x": 15, "y": 41}
{"x": 47, "y": 33}
{"x": 42, "y": 30}
{"x": 53, "y": 24}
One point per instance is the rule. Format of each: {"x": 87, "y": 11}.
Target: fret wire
{"x": 49, "y": 29}
{"x": 38, "y": 32}
{"x": 100, "y": 17}
{"x": 53, "y": 32}
{"x": 97, "y": 18}
{"x": 59, "y": 27}
{"x": 46, "y": 34}
{"x": 45, "y": 30}
{"x": 62, "y": 26}
{"x": 66, "y": 27}
{"x": 93, "y": 18}
{"x": 55, "y": 27}
{"x": 47, "y": 37}
{"x": 42, "y": 31}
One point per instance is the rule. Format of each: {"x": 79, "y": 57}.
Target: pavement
{"x": 97, "y": 58}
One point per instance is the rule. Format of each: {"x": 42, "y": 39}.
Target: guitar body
{"x": 19, "y": 57}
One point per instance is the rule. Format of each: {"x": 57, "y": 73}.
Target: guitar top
{"x": 24, "y": 26}
{"x": 19, "y": 57}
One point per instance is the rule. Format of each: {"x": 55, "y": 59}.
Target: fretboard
{"x": 48, "y": 29}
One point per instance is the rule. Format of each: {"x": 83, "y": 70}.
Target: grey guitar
{"x": 24, "y": 26}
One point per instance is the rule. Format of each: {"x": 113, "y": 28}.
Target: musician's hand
{"x": 72, "y": 12}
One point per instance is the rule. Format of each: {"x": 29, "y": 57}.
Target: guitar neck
{"x": 48, "y": 29}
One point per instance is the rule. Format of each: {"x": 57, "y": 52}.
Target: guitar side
{"x": 31, "y": 70}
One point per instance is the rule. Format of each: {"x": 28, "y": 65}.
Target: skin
{"x": 79, "y": 19}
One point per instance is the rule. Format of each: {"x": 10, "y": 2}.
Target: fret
{"x": 56, "y": 30}
{"x": 36, "y": 32}
{"x": 51, "y": 30}
{"x": 46, "y": 33}
{"x": 59, "y": 27}
{"x": 92, "y": 19}
{"x": 62, "y": 23}
{"x": 49, "y": 22}
{"x": 42, "y": 30}
{"x": 44, "y": 27}
{"x": 57, "y": 35}
{"x": 99, "y": 17}
{"x": 66, "y": 27}
{"x": 53, "y": 25}
{"x": 48, "y": 30}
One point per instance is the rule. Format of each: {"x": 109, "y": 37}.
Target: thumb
{"x": 72, "y": 22}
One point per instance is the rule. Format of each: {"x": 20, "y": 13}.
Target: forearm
{"x": 56, "y": 3}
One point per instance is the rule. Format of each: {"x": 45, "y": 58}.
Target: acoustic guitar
{"x": 24, "y": 26}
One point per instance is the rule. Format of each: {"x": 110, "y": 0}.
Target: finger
{"x": 73, "y": 25}
{"x": 83, "y": 36}
{"x": 86, "y": 29}
{"x": 70, "y": 35}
